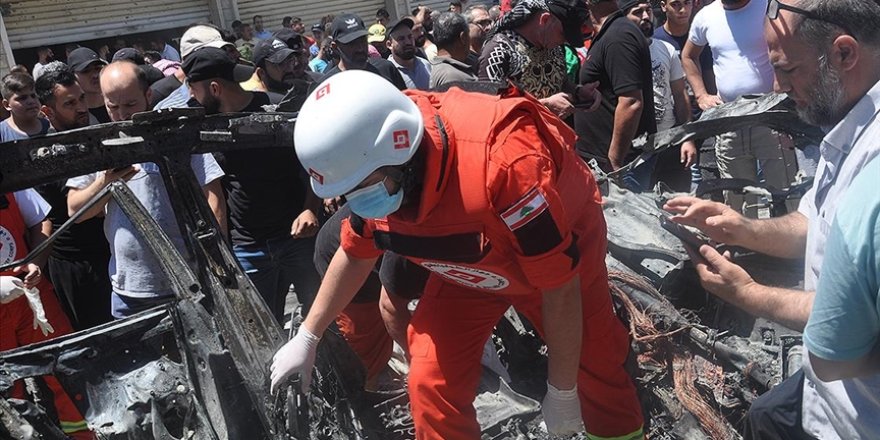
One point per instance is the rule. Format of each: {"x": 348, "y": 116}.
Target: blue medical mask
{"x": 374, "y": 201}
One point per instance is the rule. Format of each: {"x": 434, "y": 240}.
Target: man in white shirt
{"x": 733, "y": 29}
{"x": 826, "y": 56}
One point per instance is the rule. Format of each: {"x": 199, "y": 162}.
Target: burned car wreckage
{"x": 197, "y": 368}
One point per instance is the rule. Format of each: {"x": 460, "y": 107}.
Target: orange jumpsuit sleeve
{"x": 356, "y": 238}
{"x": 521, "y": 182}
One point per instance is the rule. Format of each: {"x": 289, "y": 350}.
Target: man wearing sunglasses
{"x": 826, "y": 56}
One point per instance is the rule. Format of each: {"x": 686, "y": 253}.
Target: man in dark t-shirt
{"x": 620, "y": 60}
{"x": 350, "y": 41}
{"x": 271, "y": 209}
{"x": 78, "y": 264}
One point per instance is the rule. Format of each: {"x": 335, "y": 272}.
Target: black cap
{"x": 130, "y": 54}
{"x": 83, "y": 57}
{"x": 274, "y": 51}
{"x": 573, "y": 14}
{"x": 405, "y": 21}
{"x": 317, "y": 28}
{"x": 292, "y": 39}
{"x": 347, "y": 28}
{"x": 625, "y": 5}
{"x": 209, "y": 63}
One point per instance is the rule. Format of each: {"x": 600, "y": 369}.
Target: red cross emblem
{"x": 400, "y": 139}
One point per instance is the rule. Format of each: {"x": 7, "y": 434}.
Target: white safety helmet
{"x": 354, "y": 123}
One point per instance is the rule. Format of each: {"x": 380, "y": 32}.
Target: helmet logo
{"x": 322, "y": 92}
{"x": 400, "y": 139}
{"x": 317, "y": 176}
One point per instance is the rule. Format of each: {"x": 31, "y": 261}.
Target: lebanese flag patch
{"x": 528, "y": 208}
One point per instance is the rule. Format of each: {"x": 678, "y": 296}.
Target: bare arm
{"x": 216, "y": 200}
{"x": 345, "y": 275}
{"x": 731, "y": 283}
{"x": 37, "y": 234}
{"x": 784, "y": 237}
{"x": 828, "y": 371}
{"x": 77, "y": 198}
{"x": 626, "y": 121}
{"x": 563, "y": 328}
{"x": 690, "y": 61}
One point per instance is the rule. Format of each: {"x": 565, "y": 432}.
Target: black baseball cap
{"x": 213, "y": 63}
{"x": 83, "y": 57}
{"x": 405, "y": 21}
{"x": 291, "y": 38}
{"x": 573, "y": 14}
{"x": 130, "y": 54}
{"x": 317, "y": 28}
{"x": 273, "y": 50}
{"x": 347, "y": 28}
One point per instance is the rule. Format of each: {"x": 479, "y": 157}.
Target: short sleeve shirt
{"x": 134, "y": 270}
{"x": 666, "y": 68}
{"x": 844, "y": 323}
{"x": 33, "y": 208}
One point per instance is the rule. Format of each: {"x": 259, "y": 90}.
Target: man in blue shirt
{"x": 844, "y": 325}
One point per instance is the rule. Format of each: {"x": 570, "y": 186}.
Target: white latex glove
{"x": 562, "y": 411}
{"x": 40, "y": 321}
{"x": 10, "y": 289}
{"x": 296, "y": 356}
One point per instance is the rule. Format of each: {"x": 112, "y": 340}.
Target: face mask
{"x": 374, "y": 201}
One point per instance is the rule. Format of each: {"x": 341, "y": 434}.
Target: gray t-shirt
{"x": 445, "y": 70}
{"x": 134, "y": 270}
{"x": 418, "y": 78}
{"x": 7, "y": 133}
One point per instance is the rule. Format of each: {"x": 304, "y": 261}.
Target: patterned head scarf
{"x": 572, "y": 14}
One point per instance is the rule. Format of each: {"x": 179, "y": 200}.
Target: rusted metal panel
{"x": 32, "y": 23}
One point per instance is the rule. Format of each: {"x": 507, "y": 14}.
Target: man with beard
{"x": 78, "y": 262}
{"x": 479, "y": 23}
{"x": 416, "y": 71}
{"x": 272, "y": 214}
{"x": 350, "y": 43}
{"x": 671, "y": 104}
{"x": 732, "y": 28}
{"x": 826, "y": 56}
{"x": 135, "y": 274}
{"x": 527, "y": 49}
{"x": 87, "y": 65}
{"x": 282, "y": 66}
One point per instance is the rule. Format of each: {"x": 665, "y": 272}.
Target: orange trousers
{"x": 17, "y": 330}
{"x": 362, "y": 327}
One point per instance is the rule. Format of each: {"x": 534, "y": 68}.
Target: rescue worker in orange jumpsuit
{"x": 23, "y": 225}
{"x": 487, "y": 193}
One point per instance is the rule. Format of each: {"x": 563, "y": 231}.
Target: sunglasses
{"x": 774, "y": 6}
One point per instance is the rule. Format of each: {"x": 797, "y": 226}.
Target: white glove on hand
{"x": 40, "y": 321}
{"x": 10, "y": 289}
{"x": 562, "y": 411}
{"x": 296, "y": 356}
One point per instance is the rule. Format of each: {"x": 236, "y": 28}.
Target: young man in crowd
{"x": 87, "y": 65}
{"x": 80, "y": 256}
{"x": 671, "y": 104}
{"x": 416, "y": 71}
{"x": 272, "y": 213}
{"x": 350, "y": 42}
{"x": 283, "y": 66}
{"x": 20, "y": 100}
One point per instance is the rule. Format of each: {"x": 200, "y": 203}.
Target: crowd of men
{"x": 378, "y": 205}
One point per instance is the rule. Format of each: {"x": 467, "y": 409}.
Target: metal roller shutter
{"x": 33, "y": 23}
{"x": 273, "y": 11}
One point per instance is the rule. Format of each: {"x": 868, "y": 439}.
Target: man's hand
{"x": 305, "y": 225}
{"x": 113, "y": 174}
{"x": 720, "y": 276}
{"x": 296, "y": 356}
{"x": 717, "y": 220}
{"x": 33, "y": 277}
{"x": 560, "y": 104}
{"x": 562, "y": 411}
{"x": 708, "y": 101}
{"x": 688, "y": 153}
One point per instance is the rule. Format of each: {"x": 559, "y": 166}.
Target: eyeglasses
{"x": 774, "y": 6}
